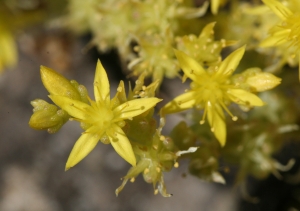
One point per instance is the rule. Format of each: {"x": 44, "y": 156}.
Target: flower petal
{"x": 121, "y": 144}
{"x": 215, "y": 116}
{"x": 189, "y": 65}
{"x": 56, "y": 84}
{"x": 180, "y": 103}
{"x": 228, "y": 66}
{"x": 101, "y": 84}
{"x": 208, "y": 30}
{"x": 243, "y": 97}
{"x": 279, "y": 9}
{"x": 83, "y": 146}
{"x": 275, "y": 39}
{"x": 74, "y": 108}
{"x": 135, "y": 107}
{"x": 215, "y": 6}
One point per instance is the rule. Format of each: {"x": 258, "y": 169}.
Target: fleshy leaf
{"x": 83, "y": 146}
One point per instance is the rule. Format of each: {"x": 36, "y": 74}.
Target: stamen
{"x": 203, "y": 116}
{"x": 158, "y": 169}
{"x": 132, "y": 179}
{"x": 155, "y": 191}
{"x": 234, "y": 118}
{"x": 176, "y": 164}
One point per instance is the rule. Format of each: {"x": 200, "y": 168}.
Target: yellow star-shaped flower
{"x": 212, "y": 90}
{"x": 287, "y": 32}
{"x": 103, "y": 118}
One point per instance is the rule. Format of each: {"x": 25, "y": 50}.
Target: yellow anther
{"x": 162, "y": 138}
{"x": 146, "y": 171}
{"x": 234, "y": 118}
{"x": 155, "y": 147}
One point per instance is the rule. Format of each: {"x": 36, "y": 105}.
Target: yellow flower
{"x": 287, "y": 31}
{"x": 102, "y": 120}
{"x": 212, "y": 90}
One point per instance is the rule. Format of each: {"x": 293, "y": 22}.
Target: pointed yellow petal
{"x": 242, "y": 97}
{"x": 121, "y": 144}
{"x": 135, "y": 107}
{"x": 180, "y": 103}
{"x": 228, "y": 66}
{"x": 83, "y": 146}
{"x": 275, "y": 39}
{"x": 208, "y": 30}
{"x": 279, "y": 9}
{"x": 215, "y": 116}
{"x": 215, "y": 6}
{"x": 101, "y": 84}
{"x": 56, "y": 84}
{"x": 74, "y": 108}
{"x": 189, "y": 65}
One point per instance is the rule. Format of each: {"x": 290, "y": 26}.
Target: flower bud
{"x": 47, "y": 116}
{"x": 263, "y": 81}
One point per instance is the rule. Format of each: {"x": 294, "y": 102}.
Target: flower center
{"x": 100, "y": 117}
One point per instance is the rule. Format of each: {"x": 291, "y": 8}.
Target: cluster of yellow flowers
{"x": 157, "y": 39}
